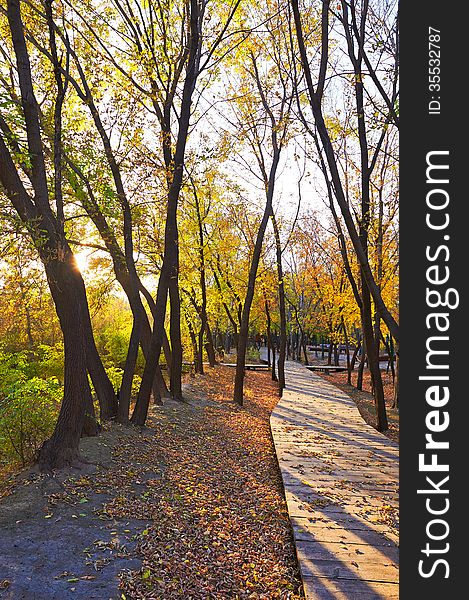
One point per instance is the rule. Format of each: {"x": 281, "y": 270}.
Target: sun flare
{"x": 81, "y": 258}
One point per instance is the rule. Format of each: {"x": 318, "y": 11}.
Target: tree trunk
{"x": 355, "y": 354}
{"x": 396, "y": 380}
{"x": 62, "y": 448}
{"x": 361, "y": 368}
{"x": 282, "y": 308}
{"x": 204, "y": 326}
{"x": 269, "y": 320}
{"x": 274, "y": 374}
{"x": 373, "y": 362}
{"x": 209, "y": 345}
{"x": 193, "y": 337}
{"x": 175, "y": 335}
{"x": 102, "y": 385}
{"x": 128, "y": 375}
{"x": 347, "y": 352}
{"x": 64, "y": 280}
{"x": 169, "y": 274}
{"x": 130, "y": 283}
{"x": 244, "y": 328}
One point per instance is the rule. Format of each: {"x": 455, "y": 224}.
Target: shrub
{"x": 252, "y": 354}
{"x": 49, "y": 361}
{"x": 115, "y": 377}
{"x": 14, "y": 366}
{"x": 28, "y": 412}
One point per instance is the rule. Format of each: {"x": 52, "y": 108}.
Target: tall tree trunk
{"x": 244, "y": 328}
{"x": 282, "y": 308}
{"x": 168, "y": 281}
{"x": 128, "y": 375}
{"x": 64, "y": 280}
{"x": 175, "y": 333}
{"x": 62, "y": 448}
{"x": 269, "y": 321}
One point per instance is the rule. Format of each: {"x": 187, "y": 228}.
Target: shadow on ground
{"x": 54, "y": 546}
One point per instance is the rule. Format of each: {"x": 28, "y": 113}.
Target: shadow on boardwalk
{"x": 341, "y": 486}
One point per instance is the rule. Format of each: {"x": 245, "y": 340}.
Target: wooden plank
{"x": 385, "y": 572}
{"x": 363, "y": 554}
{"x": 304, "y": 530}
{"x": 320, "y": 588}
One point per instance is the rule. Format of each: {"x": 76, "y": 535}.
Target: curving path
{"x": 341, "y": 485}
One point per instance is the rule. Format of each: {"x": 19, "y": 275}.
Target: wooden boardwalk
{"x": 341, "y": 485}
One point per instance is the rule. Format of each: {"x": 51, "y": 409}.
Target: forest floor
{"x": 189, "y": 507}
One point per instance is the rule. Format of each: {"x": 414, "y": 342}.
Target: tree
{"x": 47, "y": 232}
{"x": 355, "y": 32}
{"x": 262, "y": 112}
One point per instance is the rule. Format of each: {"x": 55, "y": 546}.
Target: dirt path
{"x": 192, "y": 507}
{"x": 57, "y": 542}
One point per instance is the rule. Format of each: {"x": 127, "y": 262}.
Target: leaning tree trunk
{"x": 373, "y": 362}
{"x": 46, "y": 231}
{"x": 62, "y": 448}
{"x": 125, "y": 391}
{"x": 122, "y": 264}
{"x": 102, "y": 385}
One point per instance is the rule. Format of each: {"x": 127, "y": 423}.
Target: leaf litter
{"x": 218, "y": 526}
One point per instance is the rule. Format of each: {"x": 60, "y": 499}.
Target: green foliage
{"x": 112, "y": 334}
{"x": 116, "y": 342}
{"x": 115, "y": 376}
{"x": 30, "y": 395}
{"x": 50, "y": 361}
{"x": 252, "y": 354}
{"x": 14, "y": 367}
{"x": 28, "y": 412}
